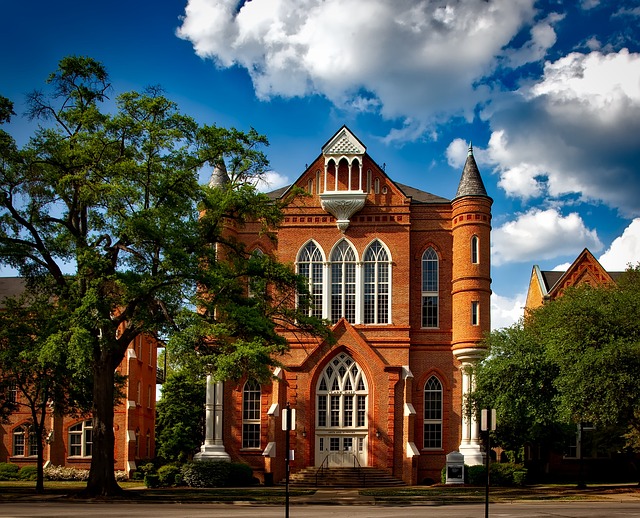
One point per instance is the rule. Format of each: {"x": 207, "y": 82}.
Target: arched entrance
{"x": 341, "y": 414}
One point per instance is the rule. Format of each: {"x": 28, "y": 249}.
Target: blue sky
{"x": 547, "y": 91}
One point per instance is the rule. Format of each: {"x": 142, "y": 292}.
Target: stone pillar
{"x": 470, "y": 444}
{"x": 213, "y": 447}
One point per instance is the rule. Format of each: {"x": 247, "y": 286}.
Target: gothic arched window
{"x": 376, "y": 284}
{"x": 251, "y": 414}
{"x": 343, "y": 282}
{"x": 430, "y": 288}
{"x": 310, "y": 266}
{"x": 432, "y": 437}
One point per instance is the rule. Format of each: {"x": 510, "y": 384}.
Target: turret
{"x": 471, "y": 226}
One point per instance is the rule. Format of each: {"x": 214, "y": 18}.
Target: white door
{"x": 346, "y": 451}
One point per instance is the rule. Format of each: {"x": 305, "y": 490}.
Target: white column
{"x": 470, "y": 444}
{"x": 213, "y": 447}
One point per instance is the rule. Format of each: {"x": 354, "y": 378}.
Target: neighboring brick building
{"x": 404, "y": 276}
{"x": 69, "y": 438}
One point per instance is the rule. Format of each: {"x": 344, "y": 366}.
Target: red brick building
{"x": 69, "y": 439}
{"x": 404, "y": 277}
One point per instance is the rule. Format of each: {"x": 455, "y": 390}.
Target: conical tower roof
{"x": 219, "y": 176}
{"x": 471, "y": 182}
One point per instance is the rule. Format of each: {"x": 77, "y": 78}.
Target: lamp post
{"x": 288, "y": 424}
{"x": 487, "y": 424}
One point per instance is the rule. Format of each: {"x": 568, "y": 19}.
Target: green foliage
{"x": 217, "y": 474}
{"x": 180, "y": 419}
{"x": 8, "y": 471}
{"x": 206, "y": 473}
{"x": 476, "y": 475}
{"x": 28, "y": 473}
{"x": 151, "y": 480}
{"x": 170, "y": 474}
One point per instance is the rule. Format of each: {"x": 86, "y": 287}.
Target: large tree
{"x": 109, "y": 207}
{"x": 574, "y": 360}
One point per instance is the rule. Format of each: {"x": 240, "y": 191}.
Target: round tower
{"x": 471, "y": 288}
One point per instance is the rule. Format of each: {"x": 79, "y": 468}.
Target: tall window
{"x": 342, "y": 395}
{"x": 430, "y": 288}
{"x": 81, "y": 439}
{"x": 343, "y": 282}
{"x": 432, "y": 414}
{"x": 13, "y": 392}
{"x": 251, "y": 415}
{"x": 475, "y": 250}
{"x": 376, "y": 285}
{"x": 475, "y": 313}
{"x": 310, "y": 266}
{"x": 19, "y": 440}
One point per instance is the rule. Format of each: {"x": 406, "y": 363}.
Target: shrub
{"x": 151, "y": 480}
{"x": 477, "y": 475}
{"x": 28, "y": 473}
{"x": 167, "y": 474}
{"x": 8, "y": 471}
{"x": 206, "y": 473}
{"x": 504, "y": 474}
{"x": 65, "y": 473}
{"x": 240, "y": 475}
{"x": 520, "y": 477}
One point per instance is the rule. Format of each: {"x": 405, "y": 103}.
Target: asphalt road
{"x": 136, "y": 510}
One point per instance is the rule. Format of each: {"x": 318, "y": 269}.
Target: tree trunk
{"x": 102, "y": 480}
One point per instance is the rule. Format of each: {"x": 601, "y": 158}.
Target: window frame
{"x": 430, "y": 286}
{"x": 376, "y": 281}
{"x": 310, "y": 264}
{"x": 84, "y": 430}
{"x": 251, "y": 415}
{"x": 432, "y": 428}
{"x": 343, "y": 282}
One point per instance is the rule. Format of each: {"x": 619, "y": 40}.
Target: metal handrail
{"x": 325, "y": 464}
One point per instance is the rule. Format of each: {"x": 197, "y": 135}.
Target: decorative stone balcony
{"x": 343, "y": 205}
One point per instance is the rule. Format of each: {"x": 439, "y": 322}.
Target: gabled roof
{"x": 586, "y": 269}
{"x": 345, "y": 143}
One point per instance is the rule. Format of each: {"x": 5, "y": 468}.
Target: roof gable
{"x": 584, "y": 270}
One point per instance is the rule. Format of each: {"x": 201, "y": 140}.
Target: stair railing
{"x": 324, "y": 465}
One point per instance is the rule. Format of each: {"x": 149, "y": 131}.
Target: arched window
{"x": 148, "y": 444}
{"x": 310, "y": 266}
{"x": 376, "y": 284}
{"x": 251, "y": 414}
{"x": 475, "y": 250}
{"x": 342, "y": 395}
{"x": 81, "y": 439}
{"x": 343, "y": 282}
{"x": 432, "y": 438}
{"x": 430, "y": 288}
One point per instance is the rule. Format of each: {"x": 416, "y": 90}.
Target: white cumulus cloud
{"x": 624, "y": 251}
{"x": 422, "y": 60}
{"x": 506, "y": 311}
{"x": 573, "y": 132}
{"x": 541, "y": 234}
